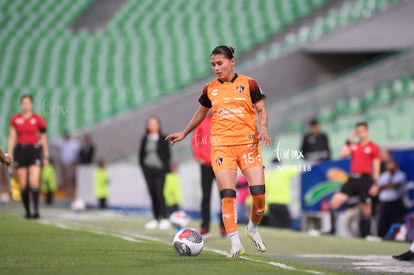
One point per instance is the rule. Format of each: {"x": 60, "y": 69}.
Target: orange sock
{"x": 258, "y": 208}
{"x": 228, "y": 208}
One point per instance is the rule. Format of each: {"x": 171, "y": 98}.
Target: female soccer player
{"x": 28, "y": 128}
{"x": 235, "y": 141}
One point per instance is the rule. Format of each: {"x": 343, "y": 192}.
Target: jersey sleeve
{"x": 41, "y": 124}
{"x": 376, "y": 152}
{"x": 204, "y": 100}
{"x": 13, "y": 122}
{"x": 256, "y": 93}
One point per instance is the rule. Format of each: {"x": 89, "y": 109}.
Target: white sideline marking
{"x": 280, "y": 265}
{"x": 380, "y": 263}
{"x": 149, "y": 238}
{"x": 94, "y": 231}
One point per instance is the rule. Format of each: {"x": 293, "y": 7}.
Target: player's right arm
{"x": 198, "y": 117}
{"x": 12, "y": 140}
{"x": 345, "y": 150}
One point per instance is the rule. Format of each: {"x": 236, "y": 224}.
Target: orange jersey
{"x": 234, "y": 118}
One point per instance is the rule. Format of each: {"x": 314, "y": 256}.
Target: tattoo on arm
{"x": 264, "y": 119}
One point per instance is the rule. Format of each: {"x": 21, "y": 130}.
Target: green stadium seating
{"x": 142, "y": 53}
{"x": 388, "y": 109}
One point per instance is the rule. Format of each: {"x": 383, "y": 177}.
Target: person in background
{"x": 29, "y": 146}
{"x": 392, "y": 209}
{"x": 278, "y": 194}
{"x": 172, "y": 190}
{"x": 154, "y": 158}
{"x": 364, "y": 173}
{"x": 101, "y": 179}
{"x": 48, "y": 183}
{"x": 315, "y": 144}
{"x": 243, "y": 193}
{"x": 69, "y": 151}
{"x": 201, "y": 145}
{"x": 87, "y": 150}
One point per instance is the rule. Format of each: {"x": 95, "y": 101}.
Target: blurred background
{"x": 97, "y": 69}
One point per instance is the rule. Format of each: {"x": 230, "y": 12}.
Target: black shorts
{"x": 358, "y": 185}
{"x": 27, "y": 155}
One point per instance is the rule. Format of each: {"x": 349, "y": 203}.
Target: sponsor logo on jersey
{"x": 214, "y": 92}
{"x": 19, "y": 120}
{"x": 219, "y": 161}
{"x": 231, "y": 112}
{"x": 240, "y": 88}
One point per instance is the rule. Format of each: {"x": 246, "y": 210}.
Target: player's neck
{"x": 228, "y": 78}
{"x": 27, "y": 114}
{"x": 364, "y": 141}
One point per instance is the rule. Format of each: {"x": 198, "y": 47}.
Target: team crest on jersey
{"x": 367, "y": 150}
{"x": 240, "y": 88}
{"x": 219, "y": 161}
{"x": 19, "y": 120}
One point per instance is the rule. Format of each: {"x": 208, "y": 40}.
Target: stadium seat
{"x": 137, "y": 55}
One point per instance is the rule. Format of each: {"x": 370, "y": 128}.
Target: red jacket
{"x": 201, "y": 142}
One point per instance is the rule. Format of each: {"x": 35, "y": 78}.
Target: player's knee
{"x": 259, "y": 201}
{"x": 228, "y": 193}
{"x": 257, "y": 190}
{"x": 333, "y": 205}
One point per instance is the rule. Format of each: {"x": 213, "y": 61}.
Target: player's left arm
{"x": 264, "y": 122}
{"x": 376, "y": 168}
{"x": 45, "y": 147}
{"x": 43, "y": 139}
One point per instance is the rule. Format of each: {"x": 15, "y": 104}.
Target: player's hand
{"x": 173, "y": 138}
{"x": 8, "y": 160}
{"x": 45, "y": 161}
{"x": 351, "y": 136}
{"x": 266, "y": 139}
{"x": 373, "y": 190}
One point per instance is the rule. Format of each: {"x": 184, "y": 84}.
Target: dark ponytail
{"x": 227, "y": 51}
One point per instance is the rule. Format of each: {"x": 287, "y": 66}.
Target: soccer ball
{"x": 188, "y": 242}
{"x": 78, "y": 205}
{"x": 179, "y": 218}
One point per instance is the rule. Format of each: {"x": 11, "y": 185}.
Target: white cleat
{"x": 257, "y": 240}
{"x": 236, "y": 252}
{"x": 164, "y": 224}
{"x": 152, "y": 224}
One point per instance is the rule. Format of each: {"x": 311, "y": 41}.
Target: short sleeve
{"x": 376, "y": 152}
{"x": 256, "y": 93}
{"x": 204, "y": 100}
{"x": 41, "y": 124}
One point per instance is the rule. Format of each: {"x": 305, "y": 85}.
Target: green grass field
{"x": 109, "y": 243}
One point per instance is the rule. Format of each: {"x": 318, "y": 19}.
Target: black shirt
{"x": 315, "y": 147}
